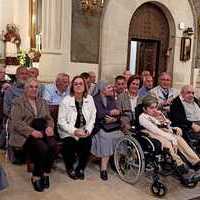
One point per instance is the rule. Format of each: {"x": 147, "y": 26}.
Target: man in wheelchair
{"x": 158, "y": 127}
{"x": 185, "y": 113}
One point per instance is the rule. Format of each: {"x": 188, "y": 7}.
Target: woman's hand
{"x": 109, "y": 119}
{"x": 37, "y": 134}
{"x": 115, "y": 112}
{"x": 80, "y": 133}
{"x": 178, "y": 131}
{"x": 49, "y": 131}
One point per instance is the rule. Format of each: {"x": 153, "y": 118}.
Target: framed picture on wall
{"x": 185, "y": 48}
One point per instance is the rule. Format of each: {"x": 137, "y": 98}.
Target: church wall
{"x": 115, "y": 37}
{"x": 57, "y": 59}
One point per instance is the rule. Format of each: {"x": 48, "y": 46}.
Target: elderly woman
{"x": 158, "y": 127}
{"x": 127, "y": 102}
{"x": 31, "y": 129}
{"x": 76, "y": 118}
{"x": 106, "y": 127}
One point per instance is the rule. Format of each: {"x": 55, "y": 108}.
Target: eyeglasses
{"x": 78, "y": 83}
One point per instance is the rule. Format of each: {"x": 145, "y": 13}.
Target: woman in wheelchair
{"x": 31, "y": 129}
{"x": 158, "y": 127}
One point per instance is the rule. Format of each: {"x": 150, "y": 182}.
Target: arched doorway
{"x": 148, "y": 43}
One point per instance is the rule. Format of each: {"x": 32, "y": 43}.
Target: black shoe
{"x": 37, "y": 185}
{"x": 104, "y": 175}
{"x": 182, "y": 169}
{"x": 45, "y": 181}
{"x": 196, "y": 167}
{"x": 80, "y": 174}
{"x": 72, "y": 174}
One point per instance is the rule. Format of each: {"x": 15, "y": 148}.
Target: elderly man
{"x": 16, "y": 90}
{"x": 164, "y": 92}
{"x": 54, "y": 93}
{"x": 147, "y": 86}
{"x": 185, "y": 110}
{"x": 33, "y": 72}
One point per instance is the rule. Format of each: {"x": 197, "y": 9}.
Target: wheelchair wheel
{"x": 129, "y": 159}
{"x": 158, "y": 189}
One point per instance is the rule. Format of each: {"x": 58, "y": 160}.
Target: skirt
{"x": 103, "y": 143}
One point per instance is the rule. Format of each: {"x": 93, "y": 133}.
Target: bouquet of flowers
{"x": 26, "y": 58}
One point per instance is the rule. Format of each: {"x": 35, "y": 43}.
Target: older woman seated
{"x": 158, "y": 127}
{"x": 107, "y": 126}
{"x": 76, "y": 118}
{"x": 31, "y": 129}
{"x": 127, "y": 102}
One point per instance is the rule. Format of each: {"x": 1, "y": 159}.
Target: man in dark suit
{"x": 185, "y": 110}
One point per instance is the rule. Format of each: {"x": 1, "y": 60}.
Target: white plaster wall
{"x": 17, "y": 11}
{"x": 52, "y": 63}
{"x": 115, "y": 30}
{"x": 6, "y": 13}
{"x": 21, "y": 19}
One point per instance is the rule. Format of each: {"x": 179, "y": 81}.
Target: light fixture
{"x": 92, "y": 6}
{"x": 188, "y": 31}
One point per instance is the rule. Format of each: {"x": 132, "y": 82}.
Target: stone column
{"x": 52, "y": 24}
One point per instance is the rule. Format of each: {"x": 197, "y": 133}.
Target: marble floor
{"x": 92, "y": 188}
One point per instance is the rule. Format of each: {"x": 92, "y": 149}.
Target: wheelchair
{"x": 137, "y": 153}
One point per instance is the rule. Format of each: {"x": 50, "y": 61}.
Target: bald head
{"x": 187, "y": 93}
{"x": 165, "y": 80}
{"x": 148, "y": 81}
{"x": 62, "y": 82}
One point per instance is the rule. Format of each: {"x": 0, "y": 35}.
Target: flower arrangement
{"x": 12, "y": 34}
{"x": 26, "y": 58}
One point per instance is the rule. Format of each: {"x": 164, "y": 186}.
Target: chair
{"x": 136, "y": 153}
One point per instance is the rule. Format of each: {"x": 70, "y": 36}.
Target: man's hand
{"x": 49, "y": 131}
{"x": 195, "y": 128}
{"x": 37, "y": 134}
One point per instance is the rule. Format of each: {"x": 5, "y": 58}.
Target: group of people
{"x": 89, "y": 118}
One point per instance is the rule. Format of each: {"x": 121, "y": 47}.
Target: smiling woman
{"x": 76, "y": 120}
{"x": 32, "y": 131}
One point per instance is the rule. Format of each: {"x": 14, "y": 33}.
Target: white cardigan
{"x": 151, "y": 124}
{"x": 67, "y": 116}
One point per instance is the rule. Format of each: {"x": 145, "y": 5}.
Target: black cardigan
{"x": 178, "y": 115}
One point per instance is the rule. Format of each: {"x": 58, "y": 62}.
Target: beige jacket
{"x": 22, "y": 115}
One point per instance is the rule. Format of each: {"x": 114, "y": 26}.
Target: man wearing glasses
{"x": 164, "y": 92}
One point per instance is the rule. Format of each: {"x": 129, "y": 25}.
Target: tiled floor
{"x": 92, "y": 188}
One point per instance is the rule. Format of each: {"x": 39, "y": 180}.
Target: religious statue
{"x": 12, "y": 43}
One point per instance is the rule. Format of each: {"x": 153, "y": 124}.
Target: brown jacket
{"x": 22, "y": 115}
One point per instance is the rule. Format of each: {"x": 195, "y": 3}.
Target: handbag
{"x": 111, "y": 126}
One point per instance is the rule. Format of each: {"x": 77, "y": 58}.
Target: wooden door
{"x": 150, "y": 28}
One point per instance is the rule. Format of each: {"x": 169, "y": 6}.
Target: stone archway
{"x": 149, "y": 31}
{"x": 114, "y": 37}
